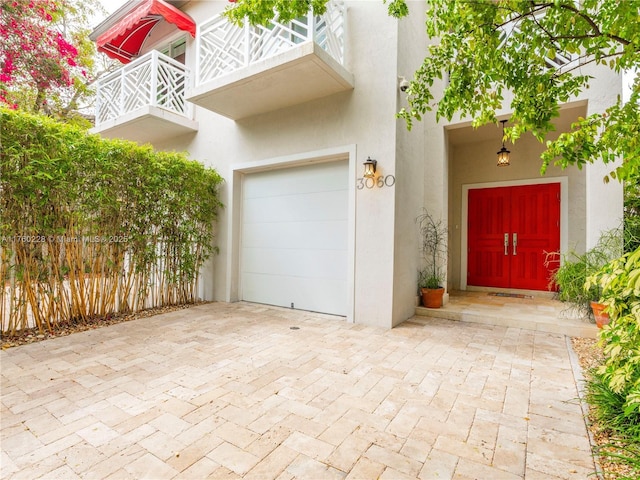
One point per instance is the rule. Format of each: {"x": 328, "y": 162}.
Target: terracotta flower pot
{"x": 432, "y": 297}
{"x": 601, "y": 317}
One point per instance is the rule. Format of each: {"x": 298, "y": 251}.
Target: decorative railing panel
{"x": 559, "y": 63}
{"x": 224, "y": 47}
{"x": 154, "y": 79}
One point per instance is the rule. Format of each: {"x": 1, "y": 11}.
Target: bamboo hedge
{"x": 91, "y": 227}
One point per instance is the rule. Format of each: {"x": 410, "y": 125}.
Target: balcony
{"x": 242, "y": 72}
{"x": 145, "y": 101}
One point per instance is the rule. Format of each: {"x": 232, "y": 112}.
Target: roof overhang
{"x": 122, "y": 35}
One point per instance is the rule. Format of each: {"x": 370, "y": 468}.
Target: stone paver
{"x": 232, "y": 391}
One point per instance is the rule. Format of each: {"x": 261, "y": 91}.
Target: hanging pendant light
{"x": 503, "y": 154}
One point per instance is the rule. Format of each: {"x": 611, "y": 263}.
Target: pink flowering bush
{"x": 35, "y": 53}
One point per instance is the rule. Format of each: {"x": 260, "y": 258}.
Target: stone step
{"x": 512, "y": 316}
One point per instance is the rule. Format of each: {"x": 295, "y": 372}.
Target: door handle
{"x": 506, "y": 244}
{"x": 515, "y": 243}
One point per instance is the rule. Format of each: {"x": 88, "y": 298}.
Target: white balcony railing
{"x": 152, "y": 80}
{"x": 223, "y": 47}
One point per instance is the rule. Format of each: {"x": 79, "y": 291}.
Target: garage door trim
{"x": 233, "y": 242}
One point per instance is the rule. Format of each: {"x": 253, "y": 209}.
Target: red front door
{"x": 510, "y": 231}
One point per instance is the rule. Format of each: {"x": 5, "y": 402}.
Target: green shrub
{"x": 615, "y": 385}
{"x": 577, "y": 267}
{"x": 623, "y": 429}
{"x": 90, "y": 226}
{"x": 631, "y": 216}
{"x": 610, "y": 407}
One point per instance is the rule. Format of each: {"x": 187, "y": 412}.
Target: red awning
{"x": 124, "y": 40}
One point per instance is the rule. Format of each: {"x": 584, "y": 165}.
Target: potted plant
{"x": 571, "y": 277}
{"x": 599, "y": 314}
{"x": 595, "y": 283}
{"x": 433, "y": 247}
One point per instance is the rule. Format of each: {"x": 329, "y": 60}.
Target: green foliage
{"x": 619, "y": 282}
{"x": 433, "y": 247}
{"x": 78, "y": 211}
{"x": 609, "y": 413}
{"x": 488, "y": 49}
{"x": 631, "y": 216}
{"x": 570, "y": 278}
{"x": 608, "y": 136}
{"x": 610, "y": 407}
{"x": 260, "y": 12}
{"x": 397, "y": 8}
{"x": 426, "y": 279}
{"x": 576, "y": 267}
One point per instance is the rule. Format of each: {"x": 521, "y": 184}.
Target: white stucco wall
{"x": 429, "y": 168}
{"x": 410, "y": 167}
{"x": 349, "y": 121}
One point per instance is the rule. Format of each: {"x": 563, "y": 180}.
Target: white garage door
{"x": 294, "y": 237}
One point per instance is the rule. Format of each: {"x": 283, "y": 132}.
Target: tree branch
{"x": 543, "y": 6}
{"x": 581, "y": 62}
{"x": 594, "y": 26}
{"x": 519, "y": 17}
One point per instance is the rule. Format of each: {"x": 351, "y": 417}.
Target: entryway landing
{"x": 523, "y": 311}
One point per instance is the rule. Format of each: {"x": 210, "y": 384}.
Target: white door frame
{"x": 564, "y": 214}
{"x": 234, "y": 237}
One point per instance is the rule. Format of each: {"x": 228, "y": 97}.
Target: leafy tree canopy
{"x": 535, "y": 50}
{"x": 47, "y": 62}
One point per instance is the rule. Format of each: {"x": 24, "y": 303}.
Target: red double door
{"x": 510, "y": 232}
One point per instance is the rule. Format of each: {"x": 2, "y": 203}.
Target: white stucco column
{"x": 436, "y": 180}
{"x": 604, "y": 200}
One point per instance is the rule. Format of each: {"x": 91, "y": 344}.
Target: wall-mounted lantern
{"x": 370, "y": 168}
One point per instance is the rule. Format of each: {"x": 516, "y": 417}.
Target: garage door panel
{"x": 296, "y": 262}
{"x": 294, "y": 237}
{"x": 294, "y": 290}
{"x": 317, "y": 206}
{"x": 307, "y": 179}
{"x": 314, "y": 235}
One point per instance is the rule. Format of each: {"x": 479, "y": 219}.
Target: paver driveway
{"x": 232, "y": 390}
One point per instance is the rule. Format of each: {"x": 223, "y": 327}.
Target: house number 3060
{"x": 381, "y": 181}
